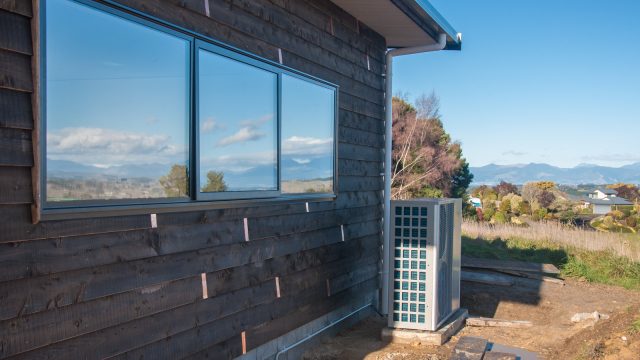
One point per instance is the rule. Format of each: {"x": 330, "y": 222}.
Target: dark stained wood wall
{"x": 116, "y": 287}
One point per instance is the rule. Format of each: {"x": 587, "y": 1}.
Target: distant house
{"x": 475, "y": 202}
{"x": 603, "y": 200}
{"x": 603, "y": 193}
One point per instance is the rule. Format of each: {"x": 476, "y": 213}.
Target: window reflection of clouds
{"x": 308, "y": 112}
{"x": 113, "y": 107}
{"x": 238, "y": 137}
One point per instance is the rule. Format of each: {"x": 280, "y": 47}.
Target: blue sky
{"x": 537, "y": 80}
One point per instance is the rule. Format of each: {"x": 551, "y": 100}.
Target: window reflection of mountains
{"x": 69, "y": 180}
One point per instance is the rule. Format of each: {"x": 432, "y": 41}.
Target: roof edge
{"x": 430, "y": 20}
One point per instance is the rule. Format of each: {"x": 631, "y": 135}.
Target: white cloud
{"x": 210, "y": 124}
{"x": 248, "y": 131}
{"x": 299, "y": 145}
{"x": 301, "y": 161}
{"x": 244, "y": 134}
{"x": 109, "y": 146}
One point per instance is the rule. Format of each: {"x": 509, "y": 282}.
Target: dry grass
{"x": 563, "y": 235}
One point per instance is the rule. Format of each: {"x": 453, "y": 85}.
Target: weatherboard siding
{"x": 117, "y": 287}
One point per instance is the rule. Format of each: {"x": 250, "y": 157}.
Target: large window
{"x": 139, "y": 112}
{"x": 117, "y": 107}
{"x": 308, "y": 112}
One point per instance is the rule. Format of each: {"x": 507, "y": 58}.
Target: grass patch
{"x": 635, "y": 327}
{"x": 595, "y": 266}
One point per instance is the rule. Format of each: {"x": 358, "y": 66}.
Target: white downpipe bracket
{"x": 386, "y": 253}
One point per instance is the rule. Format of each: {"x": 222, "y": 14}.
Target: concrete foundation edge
{"x": 439, "y": 337}
{"x": 270, "y": 349}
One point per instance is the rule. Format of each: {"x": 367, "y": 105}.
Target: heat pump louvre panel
{"x": 422, "y": 252}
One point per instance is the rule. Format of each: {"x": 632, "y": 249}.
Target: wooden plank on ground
{"x": 484, "y": 278}
{"x": 489, "y": 322}
{"x": 535, "y": 276}
{"x": 509, "y": 265}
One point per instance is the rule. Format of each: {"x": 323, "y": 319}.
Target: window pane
{"x": 116, "y": 107}
{"x": 238, "y": 134}
{"x": 308, "y": 113}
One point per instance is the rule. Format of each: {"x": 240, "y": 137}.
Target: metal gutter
{"x": 388, "y": 148}
{"x": 430, "y": 21}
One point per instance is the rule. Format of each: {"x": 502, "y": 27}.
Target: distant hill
{"x": 582, "y": 174}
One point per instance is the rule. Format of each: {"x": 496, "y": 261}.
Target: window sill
{"x": 140, "y": 209}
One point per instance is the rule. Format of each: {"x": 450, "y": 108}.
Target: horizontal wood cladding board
{"x": 36, "y": 330}
{"x": 15, "y": 109}
{"x": 275, "y": 328}
{"x": 361, "y": 122}
{"x": 359, "y": 183}
{"x": 18, "y": 226}
{"x": 347, "y": 28}
{"x": 33, "y": 295}
{"x": 117, "y": 339}
{"x": 22, "y": 7}
{"x": 359, "y": 152}
{"x": 15, "y": 71}
{"x": 15, "y": 32}
{"x": 234, "y": 16}
{"x": 44, "y": 257}
{"x": 359, "y": 137}
{"x": 15, "y": 185}
{"x": 359, "y": 167}
{"x": 357, "y": 105}
{"x": 197, "y": 338}
{"x": 292, "y": 24}
{"x": 15, "y": 147}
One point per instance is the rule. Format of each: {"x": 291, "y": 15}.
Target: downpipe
{"x": 386, "y": 227}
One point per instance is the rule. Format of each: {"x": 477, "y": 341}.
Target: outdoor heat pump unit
{"x": 424, "y": 284}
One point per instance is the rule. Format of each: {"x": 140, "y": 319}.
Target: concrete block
{"x": 439, "y": 337}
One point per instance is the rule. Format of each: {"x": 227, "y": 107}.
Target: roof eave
{"x": 430, "y": 21}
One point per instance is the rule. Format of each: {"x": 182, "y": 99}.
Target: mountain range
{"x": 582, "y": 174}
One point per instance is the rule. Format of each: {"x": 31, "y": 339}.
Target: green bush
{"x": 632, "y": 221}
{"x": 500, "y": 217}
{"x": 617, "y": 214}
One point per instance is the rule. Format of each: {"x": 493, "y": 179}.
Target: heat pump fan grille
{"x": 445, "y": 258}
{"x": 410, "y": 301}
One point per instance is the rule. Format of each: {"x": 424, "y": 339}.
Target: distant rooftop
{"x": 607, "y": 191}
{"x": 608, "y": 201}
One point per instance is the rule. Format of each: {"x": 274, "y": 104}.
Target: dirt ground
{"x": 548, "y": 306}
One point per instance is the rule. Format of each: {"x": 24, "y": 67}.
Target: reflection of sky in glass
{"x": 117, "y": 99}
{"x": 237, "y": 115}
{"x": 308, "y": 112}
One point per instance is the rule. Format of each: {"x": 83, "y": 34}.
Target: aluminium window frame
{"x": 233, "y": 195}
{"x": 122, "y": 207}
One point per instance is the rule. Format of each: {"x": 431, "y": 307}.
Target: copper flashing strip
{"x": 278, "y": 287}
{"x": 243, "y": 335}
